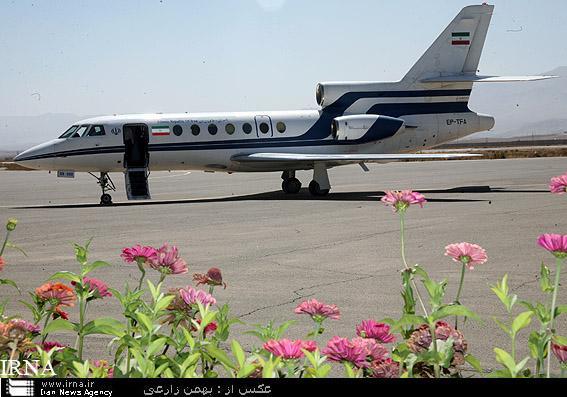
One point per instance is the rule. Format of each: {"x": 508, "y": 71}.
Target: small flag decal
{"x": 161, "y": 131}
{"x": 461, "y": 38}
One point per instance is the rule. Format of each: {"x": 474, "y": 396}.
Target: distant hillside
{"x": 523, "y": 109}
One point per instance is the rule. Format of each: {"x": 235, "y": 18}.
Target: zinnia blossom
{"x": 374, "y": 350}
{"x": 49, "y": 345}
{"x": 318, "y": 310}
{"x": 191, "y": 296}
{"x": 167, "y": 261}
{"x": 554, "y": 243}
{"x": 343, "y": 350}
{"x": 468, "y": 254}
{"x": 139, "y": 253}
{"x": 97, "y": 286}
{"x": 58, "y": 294}
{"x": 2, "y": 263}
{"x": 24, "y": 325}
{"x": 558, "y": 184}
{"x": 289, "y": 350}
{"x": 386, "y": 368}
{"x": 210, "y": 328}
{"x": 401, "y": 200}
{"x": 60, "y": 313}
{"x": 213, "y": 278}
{"x": 372, "y": 329}
{"x": 420, "y": 340}
{"x": 560, "y": 351}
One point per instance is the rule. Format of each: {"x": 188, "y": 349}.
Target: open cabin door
{"x": 136, "y": 161}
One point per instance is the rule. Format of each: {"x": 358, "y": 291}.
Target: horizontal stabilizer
{"x": 464, "y": 78}
{"x": 343, "y": 158}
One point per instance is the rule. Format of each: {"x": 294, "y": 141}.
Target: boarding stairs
{"x": 137, "y": 187}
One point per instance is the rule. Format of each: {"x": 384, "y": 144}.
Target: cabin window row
{"x": 229, "y": 128}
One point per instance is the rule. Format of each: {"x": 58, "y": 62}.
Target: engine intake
{"x": 365, "y": 128}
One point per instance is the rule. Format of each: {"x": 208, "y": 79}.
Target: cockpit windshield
{"x": 77, "y": 131}
{"x": 70, "y": 132}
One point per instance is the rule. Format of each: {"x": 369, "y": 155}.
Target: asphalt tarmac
{"x": 276, "y": 250}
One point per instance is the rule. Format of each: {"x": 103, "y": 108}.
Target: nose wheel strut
{"x": 106, "y": 185}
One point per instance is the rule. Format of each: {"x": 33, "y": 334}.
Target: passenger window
{"x": 280, "y": 126}
{"x": 96, "y": 130}
{"x": 247, "y": 128}
{"x": 195, "y": 129}
{"x": 213, "y": 129}
{"x": 177, "y": 130}
{"x": 264, "y": 127}
{"x": 229, "y": 128}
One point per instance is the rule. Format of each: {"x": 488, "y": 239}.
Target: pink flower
{"x": 560, "y": 351}
{"x": 49, "y": 345}
{"x": 468, "y": 254}
{"x": 386, "y": 368}
{"x": 167, "y": 261}
{"x": 213, "y": 278}
{"x": 373, "y": 349}
{"x": 558, "y": 184}
{"x": 372, "y": 329}
{"x": 97, "y": 286}
{"x": 401, "y": 200}
{"x": 2, "y": 263}
{"x": 342, "y": 350}
{"x": 289, "y": 350}
{"x": 24, "y": 325}
{"x": 139, "y": 254}
{"x": 318, "y": 311}
{"x": 191, "y": 296}
{"x": 554, "y": 243}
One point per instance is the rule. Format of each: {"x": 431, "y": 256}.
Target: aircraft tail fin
{"x": 458, "y": 49}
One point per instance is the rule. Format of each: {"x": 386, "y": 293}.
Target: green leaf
{"x": 104, "y": 326}
{"x": 163, "y": 302}
{"x": 545, "y": 279}
{"x": 246, "y": 371}
{"x": 156, "y": 345}
{"x": 406, "y": 320}
{"x": 5, "y": 281}
{"x": 505, "y": 359}
{"x": 65, "y": 275}
{"x": 560, "y": 340}
{"x": 11, "y": 245}
{"x": 453, "y": 310}
{"x": 59, "y": 325}
{"x": 145, "y": 321}
{"x": 238, "y": 353}
{"x": 220, "y": 356}
{"x": 522, "y": 321}
{"x": 93, "y": 266}
{"x": 520, "y": 366}
{"x": 502, "y": 326}
{"x": 474, "y": 362}
{"x": 559, "y": 310}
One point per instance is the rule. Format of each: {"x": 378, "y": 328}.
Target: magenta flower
{"x": 139, "y": 254}
{"x": 167, "y": 261}
{"x": 213, "y": 278}
{"x": 318, "y": 311}
{"x": 386, "y": 368}
{"x": 560, "y": 351}
{"x": 289, "y": 350}
{"x": 374, "y": 350}
{"x": 554, "y": 243}
{"x": 468, "y": 254}
{"x": 98, "y": 287}
{"x": 192, "y": 296}
{"x": 49, "y": 345}
{"x": 373, "y": 330}
{"x": 558, "y": 184}
{"x": 24, "y": 325}
{"x": 401, "y": 200}
{"x": 342, "y": 350}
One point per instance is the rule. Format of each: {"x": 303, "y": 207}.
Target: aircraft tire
{"x": 291, "y": 186}
{"x": 106, "y": 199}
{"x": 316, "y": 190}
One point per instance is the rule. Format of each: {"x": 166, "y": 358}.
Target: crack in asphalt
{"x": 299, "y": 295}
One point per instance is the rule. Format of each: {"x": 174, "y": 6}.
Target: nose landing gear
{"x": 106, "y": 185}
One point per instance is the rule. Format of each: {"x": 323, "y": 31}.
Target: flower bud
{"x": 11, "y": 225}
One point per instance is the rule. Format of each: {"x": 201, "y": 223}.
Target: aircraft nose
{"x": 38, "y": 157}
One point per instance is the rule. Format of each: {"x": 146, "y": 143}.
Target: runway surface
{"x": 275, "y": 250}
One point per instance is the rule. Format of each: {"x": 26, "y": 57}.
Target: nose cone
{"x": 486, "y": 122}
{"x": 39, "y": 157}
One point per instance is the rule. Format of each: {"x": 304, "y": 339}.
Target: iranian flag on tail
{"x": 461, "y": 38}
{"x": 161, "y": 131}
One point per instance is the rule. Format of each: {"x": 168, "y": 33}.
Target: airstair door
{"x": 136, "y": 161}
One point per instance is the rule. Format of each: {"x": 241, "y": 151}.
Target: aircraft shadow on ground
{"x": 304, "y": 195}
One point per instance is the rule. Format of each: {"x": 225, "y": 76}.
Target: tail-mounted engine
{"x": 365, "y": 128}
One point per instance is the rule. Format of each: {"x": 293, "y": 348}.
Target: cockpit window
{"x": 69, "y": 132}
{"x": 96, "y": 130}
{"x": 80, "y": 131}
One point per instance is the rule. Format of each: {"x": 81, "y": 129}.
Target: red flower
{"x": 560, "y": 352}
{"x": 210, "y": 328}
{"x": 213, "y": 277}
{"x": 60, "y": 313}
{"x": 2, "y": 263}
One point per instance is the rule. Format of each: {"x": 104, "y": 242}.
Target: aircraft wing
{"x": 464, "y": 78}
{"x": 342, "y": 159}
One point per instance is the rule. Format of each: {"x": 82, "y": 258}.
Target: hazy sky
{"x": 108, "y": 56}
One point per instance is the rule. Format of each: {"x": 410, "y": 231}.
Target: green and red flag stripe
{"x": 161, "y": 130}
{"x": 461, "y": 38}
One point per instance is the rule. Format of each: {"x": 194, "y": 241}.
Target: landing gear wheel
{"x": 291, "y": 186}
{"x": 316, "y": 190}
{"x": 106, "y": 199}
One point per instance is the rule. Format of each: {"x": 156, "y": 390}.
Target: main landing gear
{"x": 319, "y": 186}
{"x": 106, "y": 185}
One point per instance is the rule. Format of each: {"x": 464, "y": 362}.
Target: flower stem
{"x": 5, "y": 243}
{"x": 434, "y": 343}
{"x": 403, "y": 249}
{"x": 80, "y": 339}
{"x": 45, "y": 324}
{"x": 553, "y": 304}
{"x": 459, "y": 293}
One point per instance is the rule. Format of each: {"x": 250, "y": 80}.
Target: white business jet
{"x": 358, "y": 123}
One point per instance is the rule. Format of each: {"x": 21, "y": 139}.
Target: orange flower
{"x": 57, "y": 293}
